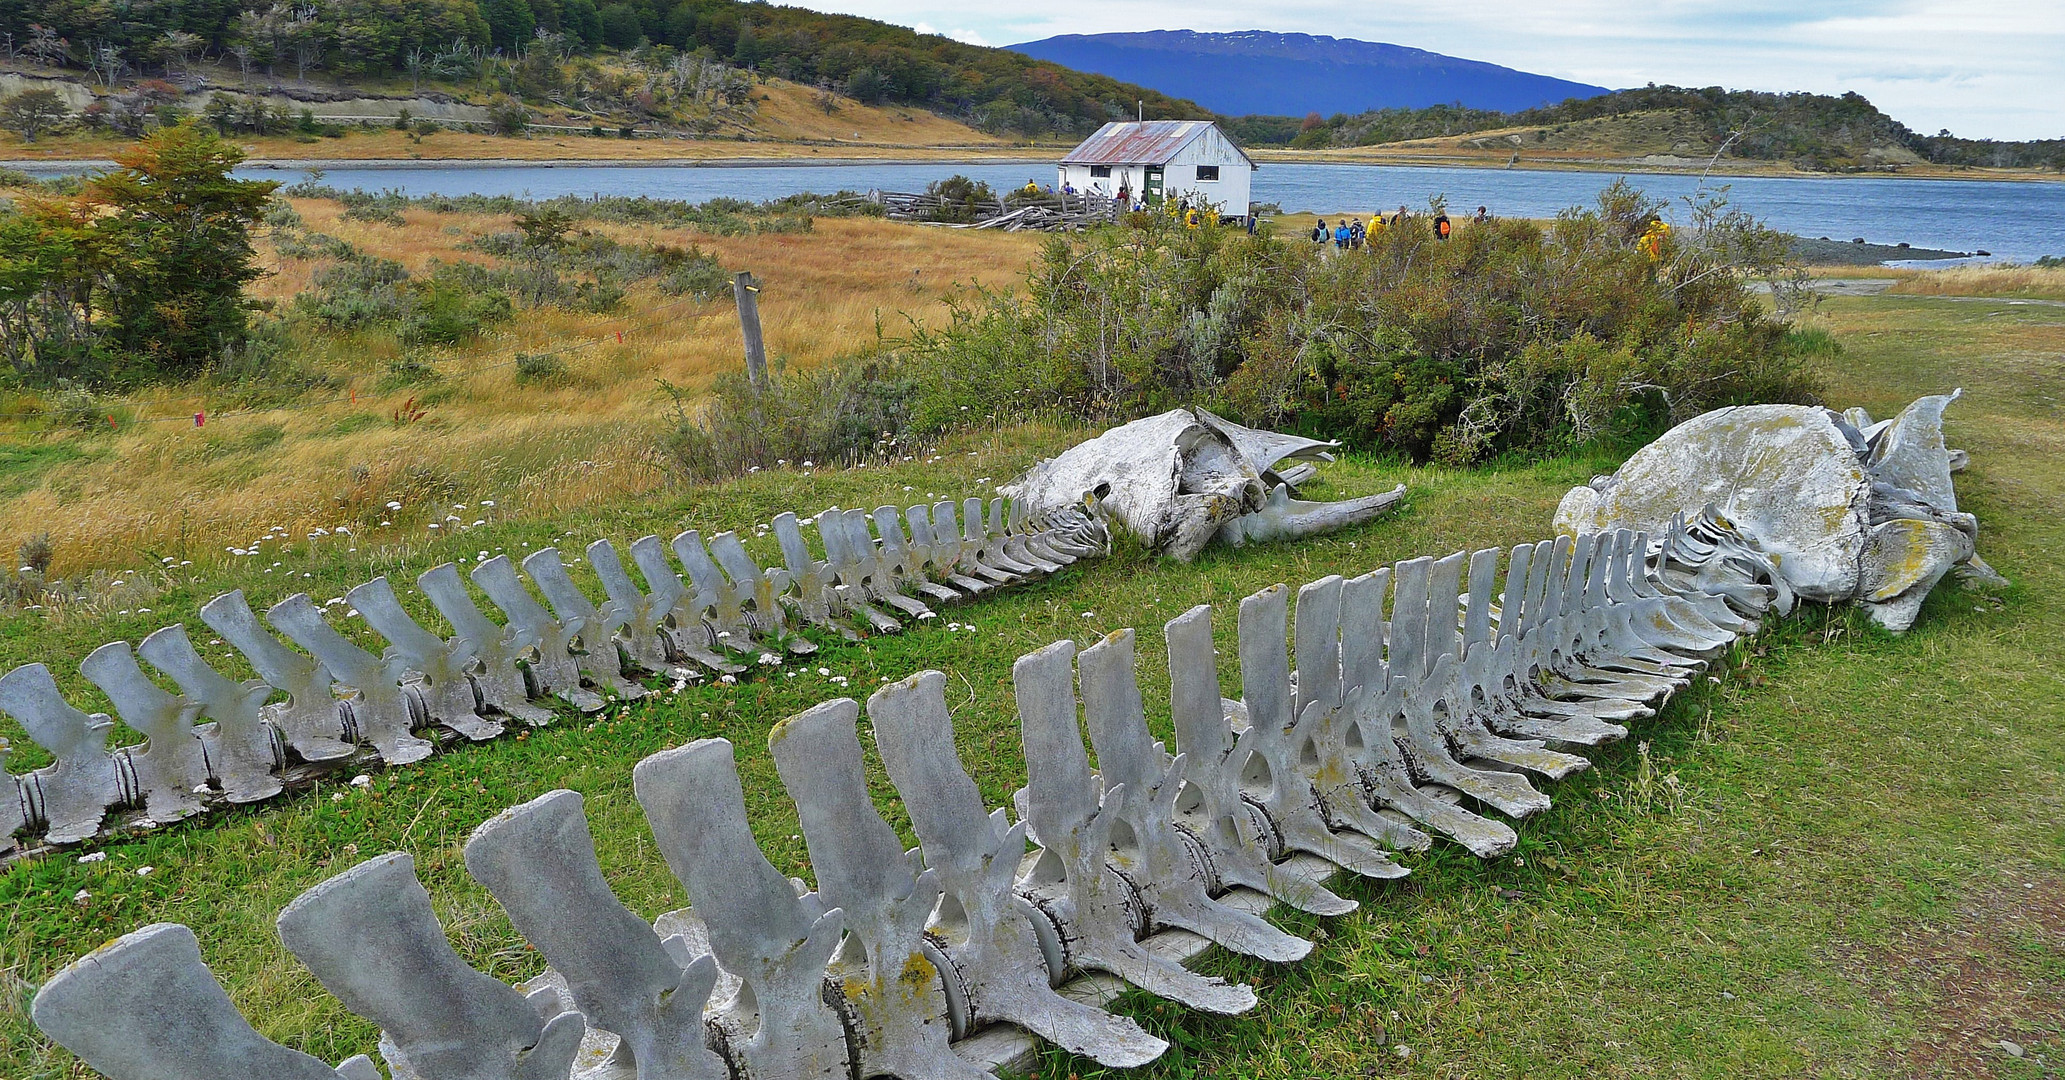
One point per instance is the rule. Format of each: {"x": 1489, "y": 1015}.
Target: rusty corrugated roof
{"x": 1154, "y": 142}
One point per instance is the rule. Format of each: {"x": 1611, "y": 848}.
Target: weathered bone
{"x": 813, "y": 579}
{"x": 1326, "y": 732}
{"x": 1235, "y": 836}
{"x": 996, "y": 969}
{"x": 380, "y": 710}
{"x": 370, "y": 937}
{"x": 775, "y": 942}
{"x": 1095, "y": 909}
{"x": 445, "y": 687}
{"x": 1374, "y": 703}
{"x": 644, "y": 635}
{"x": 887, "y": 972}
{"x": 1270, "y": 775}
{"x": 244, "y": 752}
{"x": 73, "y": 793}
{"x": 552, "y": 661}
{"x": 1154, "y": 858}
{"x": 173, "y": 763}
{"x": 768, "y": 617}
{"x": 598, "y": 658}
{"x": 713, "y": 616}
{"x": 310, "y": 718}
{"x": 906, "y": 566}
{"x": 1282, "y": 517}
{"x": 538, "y": 859}
{"x": 849, "y": 560}
{"x": 488, "y": 652}
{"x": 144, "y": 1007}
{"x": 12, "y": 814}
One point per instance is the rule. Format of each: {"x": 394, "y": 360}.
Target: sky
{"x": 1981, "y": 68}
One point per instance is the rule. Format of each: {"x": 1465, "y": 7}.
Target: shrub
{"x": 539, "y": 368}
{"x": 837, "y": 414}
{"x": 1512, "y": 337}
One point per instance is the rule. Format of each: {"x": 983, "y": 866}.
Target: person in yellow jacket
{"x": 1651, "y": 243}
{"x": 1374, "y": 230}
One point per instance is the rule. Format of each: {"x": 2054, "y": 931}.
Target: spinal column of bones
{"x": 1410, "y": 689}
{"x": 728, "y": 616}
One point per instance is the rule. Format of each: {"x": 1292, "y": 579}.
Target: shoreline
{"x": 1263, "y": 156}
{"x": 48, "y": 166}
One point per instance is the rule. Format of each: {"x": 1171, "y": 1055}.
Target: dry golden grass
{"x": 2021, "y": 282}
{"x": 153, "y": 489}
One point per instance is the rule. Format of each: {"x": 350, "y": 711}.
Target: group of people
{"x": 1349, "y": 234}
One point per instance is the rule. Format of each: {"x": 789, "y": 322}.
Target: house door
{"x": 1152, "y": 189}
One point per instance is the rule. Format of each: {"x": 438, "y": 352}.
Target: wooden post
{"x": 746, "y": 293}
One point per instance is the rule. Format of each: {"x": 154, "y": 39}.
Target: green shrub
{"x": 539, "y": 368}
{"x": 1512, "y": 337}
{"x": 837, "y": 414}
{"x": 406, "y": 372}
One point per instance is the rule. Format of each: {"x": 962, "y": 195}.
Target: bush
{"x": 838, "y": 414}
{"x": 961, "y": 199}
{"x": 539, "y": 368}
{"x": 1512, "y": 338}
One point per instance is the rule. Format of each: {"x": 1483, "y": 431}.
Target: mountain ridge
{"x": 1262, "y": 72}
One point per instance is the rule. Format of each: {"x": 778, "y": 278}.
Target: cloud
{"x": 1982, "y": 68}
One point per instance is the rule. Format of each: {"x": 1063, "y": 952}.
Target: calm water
{"x": 2018, "y": 220}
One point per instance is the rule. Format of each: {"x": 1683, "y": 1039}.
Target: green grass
{"x": 23, "y": 465}
{"x": 1815, "y": 865}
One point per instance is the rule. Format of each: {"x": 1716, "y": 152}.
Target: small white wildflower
{"x": 98, "y": 856}
{"x": 336, "y": 796}
{"x": 434, "y": 525}
{"x": 144, "y": 871}
{"x": 483, "y": 521}
{"x": 487, "y": 502}
{"x": 394, "y": 506}
{"x": 728, "y": 680}
{"x": 362, "y": 780}
{"x": 82, "y": 898}
{"x": 1089, "y": 614}
{"x": 768, "y": 659}
{"x": 824, "y": 671}
{"x": 923, "y": 615}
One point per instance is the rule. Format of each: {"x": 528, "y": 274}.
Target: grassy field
{"x": 157, "y": 486}
{"x": 1841, "y": 859}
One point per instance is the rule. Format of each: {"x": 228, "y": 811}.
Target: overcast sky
{"x": 1982, "y": 68}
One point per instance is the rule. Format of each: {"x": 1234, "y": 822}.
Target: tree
{"x": 32, "y": 112}
{"x": 510, "y": 22}
{"x": 178, "y": 228}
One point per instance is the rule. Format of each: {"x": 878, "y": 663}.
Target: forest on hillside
{"x": 1816, "y": 131}
{"x": 430, "y": 40}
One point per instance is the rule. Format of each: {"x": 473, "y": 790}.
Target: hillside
{"x": 1257, "y": 72}
{"x": 1814, "y": 132}
{"x": 774, "y": 118}
{"x": 537, "y": 51}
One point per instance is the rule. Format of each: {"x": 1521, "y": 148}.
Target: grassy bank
{"x": 1843, "y": 859}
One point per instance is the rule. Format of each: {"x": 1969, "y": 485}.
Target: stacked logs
{"x": 332, "y": 705}
{"x": 1415, "y": 701}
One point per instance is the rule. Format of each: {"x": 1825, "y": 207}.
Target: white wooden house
{"x": 1158, "y": 159}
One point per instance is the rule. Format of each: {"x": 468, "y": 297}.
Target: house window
{"x": 1208, "y": 172}
{"x": 1100, "y": 171}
